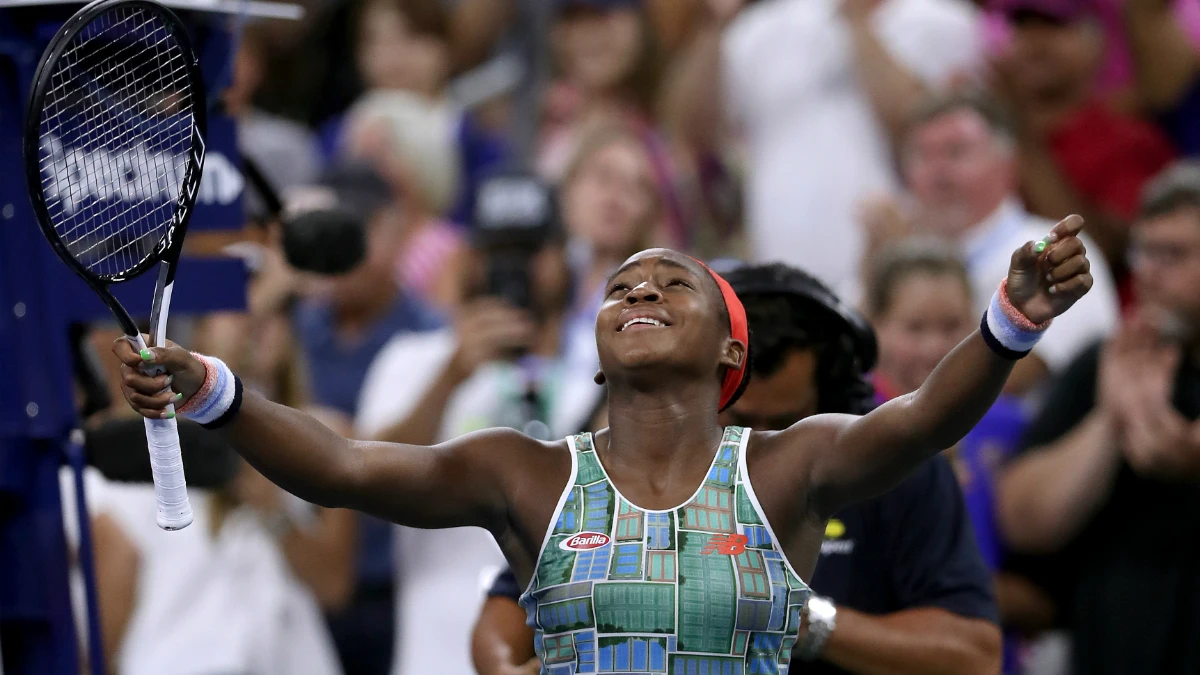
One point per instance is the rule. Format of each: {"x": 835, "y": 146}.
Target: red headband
{"x": 739, "y": 329}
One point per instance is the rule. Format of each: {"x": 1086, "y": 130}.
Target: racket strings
{"x": 116, "y": 133}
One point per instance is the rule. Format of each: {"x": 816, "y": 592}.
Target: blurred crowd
{"x": 454, "y": 180}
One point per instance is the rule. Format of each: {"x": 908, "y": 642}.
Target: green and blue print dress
{"x": 702, "y": 589}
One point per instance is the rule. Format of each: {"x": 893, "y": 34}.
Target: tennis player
{"x": 664, "y": 537}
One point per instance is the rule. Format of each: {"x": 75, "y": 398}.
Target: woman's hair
{"x": 642, "y": 81}
{"x": 600, "y": 136}
{"x": 421, "y": 134}
{"x": 427, "y": 18}
{"x": 915, "y": 255}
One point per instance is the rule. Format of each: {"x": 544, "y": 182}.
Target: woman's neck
{"x": 658, "y": 430}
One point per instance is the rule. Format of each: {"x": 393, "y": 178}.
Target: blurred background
{"x": 434, "y": 192}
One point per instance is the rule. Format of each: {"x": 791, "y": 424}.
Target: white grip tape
{"x": 166, "y": 464}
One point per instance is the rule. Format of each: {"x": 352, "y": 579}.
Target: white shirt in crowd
{"x": 205, "y": 605}
{"x": 987, "y": 251}
{"x": 442, "y": 575}
{"x": 815, "y": 147}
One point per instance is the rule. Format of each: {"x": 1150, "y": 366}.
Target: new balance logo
{"x": 725, "y": 544}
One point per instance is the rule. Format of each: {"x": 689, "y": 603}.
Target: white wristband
{"x": 218, "y": 398}
{"x": 1007, "y": 331}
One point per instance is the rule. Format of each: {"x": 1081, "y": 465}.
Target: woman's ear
{"x": 735, "y": 354}
{"x": 599, "y": 379}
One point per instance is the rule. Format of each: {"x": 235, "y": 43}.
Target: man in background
{"x": 817, "y": 90}
{"x": 960, "y": 161}
{"x": 1109, "y": 481}
{"x": 905, "y": 589}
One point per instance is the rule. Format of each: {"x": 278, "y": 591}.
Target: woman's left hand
{"x": 1043, "y": 285}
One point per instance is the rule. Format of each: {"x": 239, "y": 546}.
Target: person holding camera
{"x": 890, "y": 567}
{"x": 500, "y": 364}
{"x": 342, "y": 237}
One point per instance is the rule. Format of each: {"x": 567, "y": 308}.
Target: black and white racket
{"x": 114, "y": 145}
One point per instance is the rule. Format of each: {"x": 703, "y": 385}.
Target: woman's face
{"x": 392, "y": 56}
{"x": 597, "y": 50}
{"x": 610, "y": 200}
{"x": 930, "y": 314}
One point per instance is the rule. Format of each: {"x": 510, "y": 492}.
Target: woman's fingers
{"x": 142, "y": 383}
{"x": 1068, "y": 268}
{"x": 1075, "y": 286}
{"x": 156, "y": 402}
{"x": 1063, "y": 249}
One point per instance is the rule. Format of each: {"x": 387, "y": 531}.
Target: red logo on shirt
{"x": 725, "y": 544}
{"x": 585, "y": 541}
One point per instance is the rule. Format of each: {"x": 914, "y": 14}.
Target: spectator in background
{"x": 502, "y": 365}
{"x": 959, "y": 160}
{"x": 1164, "y": 42}
{"x": 818, "y": 89}
{"x": 607, "y": 70}
{"x": 610, "y": 207}
{"x": 345, "y": 235}
{"x": 404, "y": 58}
{"x": 894, "y": 566}
{"x": 1116, "y": 76}
{"x": 921, "y": 306}
{"x": 239, "y": 591}
{"x": 1077, "y": 154}
{"x": 411, "y": 143}
{"x": 1110, "y": 477}
{"x": 285, "y": 152}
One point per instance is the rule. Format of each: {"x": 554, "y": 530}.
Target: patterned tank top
{"x": 701, "y": 589}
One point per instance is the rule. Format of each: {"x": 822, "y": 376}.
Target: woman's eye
{"x": 617, "y": 287}
{"x": 679, "y": 282}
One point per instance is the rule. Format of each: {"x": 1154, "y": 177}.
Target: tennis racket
{"x": 114, "y": 146}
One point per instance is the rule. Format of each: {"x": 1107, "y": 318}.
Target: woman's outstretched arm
{"x": 856, "y": 457}
{"x": 457, "y": 483}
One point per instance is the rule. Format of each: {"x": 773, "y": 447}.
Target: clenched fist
{"x": 1043, "y": 284}
{"x": 149, "y": 395}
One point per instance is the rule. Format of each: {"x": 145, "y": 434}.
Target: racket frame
{"x": 170, "y": 245}
{"x": 167, "y": 250}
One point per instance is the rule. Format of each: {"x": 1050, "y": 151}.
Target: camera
{"x": 516, "y": 214}
{"x": 325, "y": 225}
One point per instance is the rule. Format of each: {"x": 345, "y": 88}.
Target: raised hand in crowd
{"x": 1137, "y": 380}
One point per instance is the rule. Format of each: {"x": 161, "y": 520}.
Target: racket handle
{"x": 166, "y": 463}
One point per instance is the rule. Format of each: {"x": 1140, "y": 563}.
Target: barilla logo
{"x": 585, "y": 541}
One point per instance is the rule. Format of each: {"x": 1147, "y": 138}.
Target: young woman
{"x": 699, "y": 556}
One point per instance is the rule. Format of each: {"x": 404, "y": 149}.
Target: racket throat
{"x": 161, "y": 305}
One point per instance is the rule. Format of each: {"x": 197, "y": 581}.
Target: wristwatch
{"x": 821, "y": 617}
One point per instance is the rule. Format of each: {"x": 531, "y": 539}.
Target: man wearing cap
{"x": 342, "y": 236}
{"x": 1077, "y": 151}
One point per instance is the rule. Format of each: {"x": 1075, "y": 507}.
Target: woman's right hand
{"x": 149, "y": 395}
